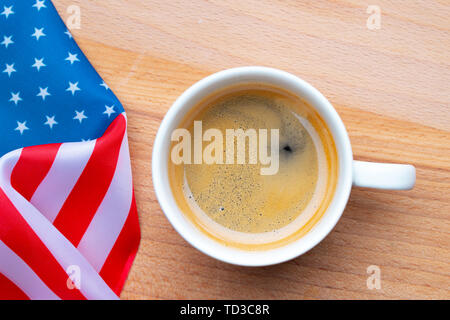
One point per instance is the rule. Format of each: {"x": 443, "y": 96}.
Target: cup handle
{"x": 383, "y": 175}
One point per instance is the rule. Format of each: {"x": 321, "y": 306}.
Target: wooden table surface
{"x": 391, "y": 86}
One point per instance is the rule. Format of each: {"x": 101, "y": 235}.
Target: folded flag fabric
{"x": 68, "y": 221}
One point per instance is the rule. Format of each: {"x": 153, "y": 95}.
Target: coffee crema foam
{"x": 234, "y": 203}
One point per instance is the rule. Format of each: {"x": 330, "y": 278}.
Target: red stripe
{"x": 32, "y": 167}
{"x": 20, "y": 238}
{"x": 80, "y": 206}
{"x": 9, "y": 290}
{"x": 118, "y": 264}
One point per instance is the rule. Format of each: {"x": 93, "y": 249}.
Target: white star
{"x": 73, "y": 87}
{"x": 21, "y": 126}
{"x": 38, "y": 63}
{"x": 87, "y": 140}
{"x": 109, "y": 110}
{"x": 80, "y": 116}
{"x": 103, "y": 84}
{"x": 7, "y": 11}
{"x": 38, "y": 33}
{"x": 7, "y": 41}
{"x": 68, "y": 34}
{"x": 9, "y": 69}
{"x": 43, "y": 93}
{"x": 15, "y": 97}
{"x": 39, "y": 4}
{"x": 72, "y": 58}
{"x": 50, "y": 121}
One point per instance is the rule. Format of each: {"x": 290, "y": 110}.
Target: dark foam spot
{"x": 287, "y": 148}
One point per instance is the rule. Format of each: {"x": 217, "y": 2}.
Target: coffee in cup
{"x": 263, "y": 195}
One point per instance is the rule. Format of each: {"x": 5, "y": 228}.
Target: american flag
{"x": 68, "y": 222}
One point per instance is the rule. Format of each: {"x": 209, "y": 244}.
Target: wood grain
{"x": 390, "y": 86}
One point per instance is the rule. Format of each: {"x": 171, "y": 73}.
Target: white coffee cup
{"x": 351, "y": 172}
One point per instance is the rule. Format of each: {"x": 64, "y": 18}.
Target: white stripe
{"x": 112, "y": 213}
{"x": 17, "y": 271}
{"x": 92, "y": 285}
{"x": 67, "y": 167}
